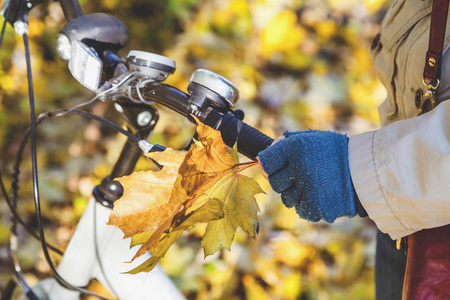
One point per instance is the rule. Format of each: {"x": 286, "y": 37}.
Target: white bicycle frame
{"x": 99, "y": 251}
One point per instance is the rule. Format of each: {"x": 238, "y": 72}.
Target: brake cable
{"x": 36, "y": 181}
{"x": 14, "y": 239}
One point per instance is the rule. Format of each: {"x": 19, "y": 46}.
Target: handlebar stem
{"x": 110, "y": 190}
{"x": 71, "y": 9}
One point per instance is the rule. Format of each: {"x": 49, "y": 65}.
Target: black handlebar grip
{"x": 250, "y": 141}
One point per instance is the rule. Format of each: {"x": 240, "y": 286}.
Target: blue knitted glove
{"x": 311, "y": 171}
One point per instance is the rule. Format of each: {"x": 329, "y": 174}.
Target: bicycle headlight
{"x": 85, "y": 65}
{"x": 63, "y": 47}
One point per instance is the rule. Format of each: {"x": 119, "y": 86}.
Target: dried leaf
{"x": 206, "y": 160}
{"x": 147, "y": 200}
{"x": 204, "y": 187}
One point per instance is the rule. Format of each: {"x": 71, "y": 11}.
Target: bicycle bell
{"x": 154, "y": 66}
{"x": 208, "y": 89}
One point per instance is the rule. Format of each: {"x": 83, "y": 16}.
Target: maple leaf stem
{"x": 249, "y": 163}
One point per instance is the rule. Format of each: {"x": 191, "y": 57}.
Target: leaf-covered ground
{"x": 297, "y": 63}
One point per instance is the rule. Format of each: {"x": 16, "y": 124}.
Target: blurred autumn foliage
{"x": 297, "y": 63}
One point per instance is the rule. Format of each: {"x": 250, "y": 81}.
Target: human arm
{"x": 401, "y": 172}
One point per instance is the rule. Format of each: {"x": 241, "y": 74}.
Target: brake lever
{"x": 148, "y": 147}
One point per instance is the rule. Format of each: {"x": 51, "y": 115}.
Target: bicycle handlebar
{"x": 250, "y": 141}
{"x": 165, "y": 95}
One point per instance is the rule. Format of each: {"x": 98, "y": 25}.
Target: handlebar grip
{"x": 250, "y": 141}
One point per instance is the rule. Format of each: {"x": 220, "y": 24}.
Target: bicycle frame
{"x": 97, "y": 250}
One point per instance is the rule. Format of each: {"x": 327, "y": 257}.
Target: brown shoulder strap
{"x": 432, "y": 70}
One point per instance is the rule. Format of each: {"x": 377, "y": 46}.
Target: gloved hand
{"x": 311, "y": 171}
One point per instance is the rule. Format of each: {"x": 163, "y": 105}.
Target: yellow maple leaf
{"x": 202, "y": 186}
{"x": 236, "y": 192}
{"x": 166, "y": 241}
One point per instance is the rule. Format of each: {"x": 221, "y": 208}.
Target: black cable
{"x": 36, "y": 183}
{"x": 19, "y": 219}
{"x": 64, "y": 111}
{"x": 19, "y": 275}
{"x": 16, "y": 172}
{"x": 12, "y": 253}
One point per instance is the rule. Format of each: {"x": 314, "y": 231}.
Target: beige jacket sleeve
{"x": 401, "y": 173}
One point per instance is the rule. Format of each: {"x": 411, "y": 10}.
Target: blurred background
{"x": 298, "y": 64}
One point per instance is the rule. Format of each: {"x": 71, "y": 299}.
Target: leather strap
{"x": 428, "y": 265}
{"x": 432, "y": 70}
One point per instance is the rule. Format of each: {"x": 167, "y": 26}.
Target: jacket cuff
{"x": 363, "y": 169}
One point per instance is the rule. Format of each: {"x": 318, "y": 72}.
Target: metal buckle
{"x": 430, "y": 85}
{"x": 426, "y": 101}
